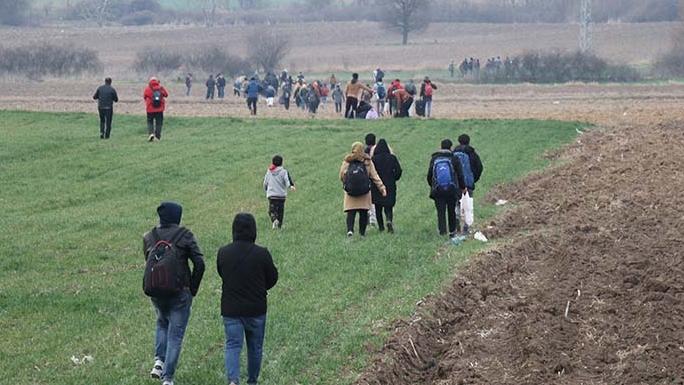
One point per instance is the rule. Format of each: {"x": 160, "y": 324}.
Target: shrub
{"x": 556, "y": 67}
{"x": 671, "y": 64}
{"x": 213, "y": 59}
{"x": 155, "y": 60}
{"x": 139, "y": 18}
{"x": 14, "y": 12}
{"x": 43, "y": 59}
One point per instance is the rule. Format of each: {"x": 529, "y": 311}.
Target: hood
{"x": 442, "y": 153}
{"x": 275, "y": 170}
{"x": 244, "y": 228}
{"x": 170, "y": 213}
{"x": 154, "y": 83}
{"x": 464, "y": 148}
{"x": 381, "y": 148}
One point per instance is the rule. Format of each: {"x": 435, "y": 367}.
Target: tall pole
{"x": 585, "y": 38}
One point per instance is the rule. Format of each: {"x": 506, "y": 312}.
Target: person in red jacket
{"x": 155, "y": 96}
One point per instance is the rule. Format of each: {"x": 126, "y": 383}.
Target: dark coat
{"x": 169, "y": 222}
{"x": 457, "y": 169}
{"x": 388, "y": 168}
{"x": 247, "y": 271}
{"x": 475, "y": 162}
{"x": 106, "y": 97}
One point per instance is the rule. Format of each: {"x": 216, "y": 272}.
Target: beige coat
{"x": 362, "y": 202}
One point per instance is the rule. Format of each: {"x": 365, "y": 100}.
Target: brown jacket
{"x": 354, "y": 90}
{"x": 362, "y": 202}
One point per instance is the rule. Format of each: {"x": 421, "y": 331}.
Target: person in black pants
{"x": 389, "y": 170}
{"x": 106, "y": 97}
{"x": 445, "y": 178}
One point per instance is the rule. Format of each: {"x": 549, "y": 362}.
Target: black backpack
{"x": 156, "y": 98}
{"x": 163, "y": 266}
{"x": 356, "y": 180}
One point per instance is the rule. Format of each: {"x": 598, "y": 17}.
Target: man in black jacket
{"x": 475, "y": 162}
{"x": 248, "y": 272}
{"x": 447, "y": 198}
{"x": 173, "y": 313}
{"x": 106, "y": 97}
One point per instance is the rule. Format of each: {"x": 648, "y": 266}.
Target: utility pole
{"x": 585, "y": 38}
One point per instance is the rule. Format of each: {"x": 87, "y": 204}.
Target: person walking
{"x": 356, "y": 173}
{"x": 221, "y": 85}
{"x": 471, "y": 164}
{"x": 426, "y": 90}
{"x": 252, "y": 91}
{"x": 171, "y": 303}
{"x": 352, "y": 94}
{"x": 276, "y": 183}
{"x": 155, "y": 103}
{"x": 211, "y": 85}
{"x": 445, "y": 178}
{"x": 188, "y": 84}
{"x": 287, "y": 93}
{"x": 338, "y": 96}
{"x": 247, "y": 273}
{"x": 106, "y": 96}
{"x": 381, "y": 93}
{"x": 389, "y": 170}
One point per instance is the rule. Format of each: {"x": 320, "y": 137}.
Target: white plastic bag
{"x": 467, "y": 209}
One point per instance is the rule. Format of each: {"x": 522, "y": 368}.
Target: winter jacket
{"x": 106, "y": 97}
{"x": 389, "y": 170}
{"x": 475, "y": 162}
{"x": 276, "y": 182}
{"x": 210, "y": 83}
{"x": 170, "y": 215}
{"x": 422, "y": 90}
{"x": 221, "y": 82}
{"x": 270, "y": 92}
{"x": 337, "y": 95}
{"x": 362, "y": 202}
{"x": 149, "y": 93}
{"x": 456, "y": 164}
{"x": 247, "y": 272}
{"x": 253, "y": 89}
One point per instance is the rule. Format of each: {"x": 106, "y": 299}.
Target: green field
{"x": 75, "y": 208}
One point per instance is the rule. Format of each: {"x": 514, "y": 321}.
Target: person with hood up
{"x": 247, "y": 272}
{"x": 276, "y": 183}
{"x": 353, "y": 93}
{"x": 155, "y": 103}
{"x": 356, "y": 173}
{"x": 389, "y": 170}
{"x": 445, "y": 178}
{"x": 173, "y": 312}
{"x": 252, "y": 91}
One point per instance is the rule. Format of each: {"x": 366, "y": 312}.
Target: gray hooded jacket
{"x": 276, "y": 183}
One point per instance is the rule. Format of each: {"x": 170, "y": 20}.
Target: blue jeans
{"x": 172, "y": 318}
{"x": 238, "y": 329}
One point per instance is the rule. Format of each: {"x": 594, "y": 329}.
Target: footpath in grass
{"x": 75, "y": 207}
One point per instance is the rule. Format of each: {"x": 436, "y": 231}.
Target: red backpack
{"x": 428, "y": 89}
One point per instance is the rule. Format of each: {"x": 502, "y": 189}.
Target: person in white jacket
{"x": 277, "y": 181}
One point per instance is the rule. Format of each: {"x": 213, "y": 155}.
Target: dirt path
{"x": 604, "y": 104}
{"x": 589, "y": 289}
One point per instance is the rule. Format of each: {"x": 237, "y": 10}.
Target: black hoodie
{"x": 247, "y": 271}
{"x": 170, "y": 214}
{"x": 475, "y": 162}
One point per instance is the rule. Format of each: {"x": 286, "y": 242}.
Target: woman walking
{"x": 356, "y": 174}
{"x": 389, "y": 170}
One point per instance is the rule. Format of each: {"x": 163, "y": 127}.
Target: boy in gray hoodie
{"x": 276, "y": 183}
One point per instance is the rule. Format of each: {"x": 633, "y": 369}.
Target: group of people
{"x": 369, "y": 176}
{"x": 469, "y": 68}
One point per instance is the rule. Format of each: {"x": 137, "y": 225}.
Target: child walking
{"x": 276, "y": 183}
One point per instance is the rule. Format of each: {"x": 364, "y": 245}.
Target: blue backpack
{"x": 467, "y": 171}
{"x": 443, "y": 181}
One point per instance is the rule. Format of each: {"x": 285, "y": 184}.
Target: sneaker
{"x": 350, "y": 234}
{"x": 276, "y": 224}
{"x": 167, "y": 382}
{"x": 390, "y": 227}
{"x": 151, "y": 138}
{"x": 157, "y": 369}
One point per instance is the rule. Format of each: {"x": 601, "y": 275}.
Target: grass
{"x": 75, "y": 207}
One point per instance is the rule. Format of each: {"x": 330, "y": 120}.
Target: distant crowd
{"x": 470, "y": 67}
{"x": 354, "y": 99}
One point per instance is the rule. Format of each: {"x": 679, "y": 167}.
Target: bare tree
{"x": 405, "y": 16}
{"x": 267, "y": 48}
{"x": 94, "y": 10}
